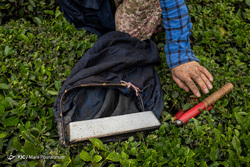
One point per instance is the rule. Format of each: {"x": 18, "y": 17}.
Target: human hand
{"x": 185, "y": 75}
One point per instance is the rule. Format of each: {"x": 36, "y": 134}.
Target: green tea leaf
{"x": 203, "y": 164}
{"x": 213, "y": 154}
{"x": 27, "y": 125}
{"x": 11, "y": 101}
{"x": 97, "y": 143}
{"x": 247, "y": 140}
{"x": 30, "y": 8}
{"x": 29, "y": 148}
{"x": 187, "y": 106}
{"x": 32, "y": 3}
{"x": 4, "y": 68}
{"x": 57, "y": 165}
{"x": 189, "y": 162}
{"x": 96, "y": 158}
{"x": 11, "y": 121}
{"x": 85, "y": 156}
{"x": 248, "y": 2}
{"x": 29, "y": 137}
{"x": 239, "y": 118}
{"x": 32, "y": 163}
{"x": 57, "y": 85}
{"x": 214, "y": 164}
{"x": 52, "y": 92}
{"x": 224, "y": 163}
{"x": 3, "y": 134}
{"x": 37, "y": 20}
{"x": 50, "y": 12}
{"x": 4, "y": 86}
{"x": 66, "y": 161}
{"x": 113, "y": 156}
{"x": 16, "y": 144}
{"x": 58, "y": 13}
{"x": 217, "y": 135}
{"x": 175, "y": 94}
{"x": 236, "y": 132}
{"x": 7, "y": 50}
{"x": 162, "y": 130}
{"x": 34, "y": 131}
{"x": 25, "y": 38}
{"x": 129, "y": 162}
{"x": 124, "y": 155}
{"x": 237, "y": 145}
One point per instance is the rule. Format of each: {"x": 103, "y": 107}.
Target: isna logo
{"x": 10, "y": 157}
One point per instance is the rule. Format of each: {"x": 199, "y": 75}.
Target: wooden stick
{"x": 218, "y": 94}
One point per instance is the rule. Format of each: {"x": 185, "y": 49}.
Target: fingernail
{"x": 211, "y": 79}
{"x": 210, "y": 86}
{"x": 206, "y": 91}
{"x": 197, "y": 94}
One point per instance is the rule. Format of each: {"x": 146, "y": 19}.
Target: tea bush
{"x": 37, "y": 58}
{"x": 32, "y": 10}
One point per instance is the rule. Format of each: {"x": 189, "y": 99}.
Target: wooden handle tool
{"x": 196, "y": 110}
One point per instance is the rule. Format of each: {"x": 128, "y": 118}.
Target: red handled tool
{"x": 181, "y": 111}
{"x": 183, "y": 117}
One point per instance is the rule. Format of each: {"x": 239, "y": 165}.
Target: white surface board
{"x": 108, "y": 126}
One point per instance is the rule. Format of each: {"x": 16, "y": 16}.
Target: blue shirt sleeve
{"x": 177, "y": 23}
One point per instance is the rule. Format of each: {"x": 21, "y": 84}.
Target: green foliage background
{"x": 39, "y": 49}
{"x": 31, "y": 10}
